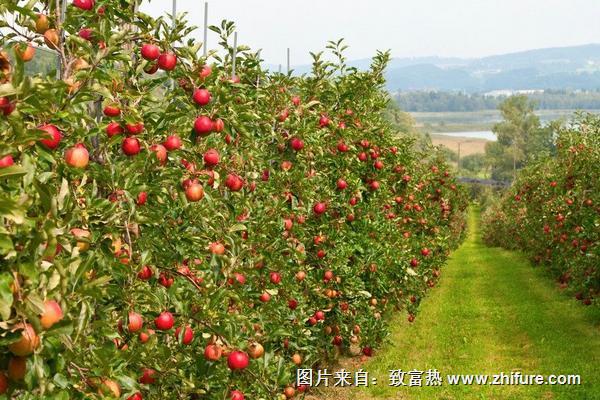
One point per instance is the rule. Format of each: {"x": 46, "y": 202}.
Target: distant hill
{"x": 576, "y": 67}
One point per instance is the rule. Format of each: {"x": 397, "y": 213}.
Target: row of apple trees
{"x": 552, "y": 211}
{"x": 172, "y": 230}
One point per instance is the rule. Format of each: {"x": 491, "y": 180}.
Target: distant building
{"x": 511, "y": 92}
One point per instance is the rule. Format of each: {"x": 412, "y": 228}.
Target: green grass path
{"x": 492, "y": 312}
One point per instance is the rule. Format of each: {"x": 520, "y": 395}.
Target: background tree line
{"x": 433, "y": 101}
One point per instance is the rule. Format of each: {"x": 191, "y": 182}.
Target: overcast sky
{"x": 465, "y": 28}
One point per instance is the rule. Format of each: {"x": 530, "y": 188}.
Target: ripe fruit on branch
{"x": 131, "y": 146}
{"x": 211, "y": 158}
{"x": 150, "y": 52}
{"x": 17, "y": 368}
{"x": 234, "y": 182}
{"x": 297, "y": 144}
{"x": 173, "y": 142}
{"x": 275, "y": 278}
{"x": 319, "y": 208}
{"x": 52, "y": 137}
{"x": 135, "y": 322}
{"x": 205, "y": 72}
{"x": 51, "y": 315}
{"x": 25, "y": 51}
{"x": 341, "y": 184}
{"x": 86, "y": 33}
{"x": 6, "y": 161}
{"x": 51, "y": 38}
{"x": 84, "y": 4}
{"x": 135, "y": 128}
{"x": 194, "y": 192}
{"x": 265, "y": 297}
{"x": 323, "y": 121}
{"x": 77, "y": 156}
{"x": 188, "y": 335}
{"x": 167, "y": 61}
{"x": 255, "y": 350}
{"x": 145, "y": 273}
{"x": 112, "y": 111}
{"x": 160, "y": 151}
{"x": 164, "y": 321}
{"x": 141, "y": 198}
{"x": 212, "y": 352}
{"x": 28, "y": 342}
{"x": 425, "y": 251}
{"x": 41, "y": 23}
{"x": 218, "y": 125}
{"x": 201, "y": 97}
{"x": 216, "y": 248}
{"x": 236, "y": 395}
{"x": 203, "y": 125}
{"x": 237, "y": 360}
{"x": 147, "y": 377}
{"x": 113, "y": 128}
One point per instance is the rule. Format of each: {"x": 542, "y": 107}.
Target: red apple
{"x": 77, "y": 156}
{"x": 218, "y": 125}
{"x": 296, "y": 101}
{"x": 275, "y": 278}
{"x": 53, "y": 141}
{"x": 136, "y": 396}
{"x": 134, "y": 129}
{"x": 201, "y": 97}
{"x": 147, "y": 377}
{"x": 173, "y": 142}
{"x": 130, "y": 146}
{"x": 341, "y": 184}
{"x": 323, "y": 121}
{"x": 211, "y": 158}
{"x": 203, "y": 125}
{"x": 145, "y": 273}
{"x": 84, "y": 4}
{"x": 205, "y": 72}
{"x": 212, "y": 352}
{"x": 135, "y": 322}
{"x": 86, "y": 33}
{"x": 164, "y": 321}
{"x": 237, "y": 360}
{"x": 188, "y": 335}
{"x": 160, "y": 151}
{"x": 6, "y": 161}
{"x": 150, "y": 52}
{"x": 167, "y": 61}
{"x": 234, "y": 182}
{"x": 112, "y": 111}
{"x": 297, "y": 144}
{"x": 194, "y": 192}
{"x": 28, "y": 342}
{"x": 141, "y": 198}
{"x": 319, "y": 208}
{"x": 113, "y": 128}
{"x": 51, "y": 315}
{"x": 265, "y": 297}
{"x": 236, "y": 395}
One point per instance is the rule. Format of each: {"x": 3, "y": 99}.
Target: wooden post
{"x": 234, "y": 54}
{"x": 61, "y": 9}
{"x": 205, "y": 45}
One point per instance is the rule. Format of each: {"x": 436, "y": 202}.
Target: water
{"x": 488, "y": 135}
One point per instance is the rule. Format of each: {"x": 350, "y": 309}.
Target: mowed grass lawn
{"x": 492, "y": 312}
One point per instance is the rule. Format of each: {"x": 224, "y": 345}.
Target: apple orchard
{"x": 172, "y": 230}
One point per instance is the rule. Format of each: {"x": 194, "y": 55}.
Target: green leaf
{"x": 14, "y": 171}
{"x": 6, "y": 295}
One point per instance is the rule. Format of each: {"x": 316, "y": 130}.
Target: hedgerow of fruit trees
{"x": 172, "y": 231}
{"x": 552, "y": 211}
